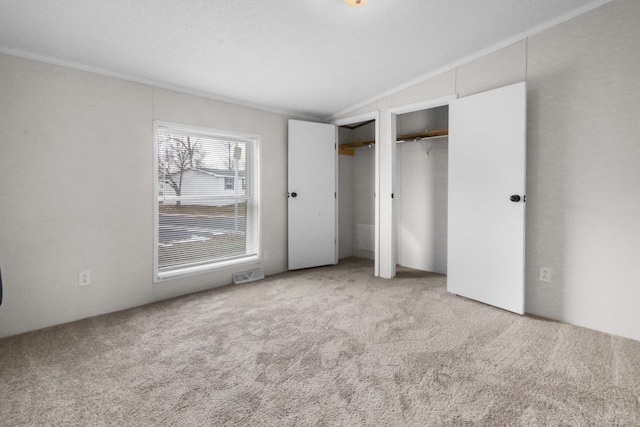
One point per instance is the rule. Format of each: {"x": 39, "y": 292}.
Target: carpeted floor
{"x": 331, "y": 346}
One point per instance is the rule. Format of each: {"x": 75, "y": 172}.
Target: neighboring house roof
{"x": 221, "y": 173}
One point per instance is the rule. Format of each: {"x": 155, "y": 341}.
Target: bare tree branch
{"x": 176, "y": 154}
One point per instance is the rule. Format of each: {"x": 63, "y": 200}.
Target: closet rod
{"x": 424, "y": 138}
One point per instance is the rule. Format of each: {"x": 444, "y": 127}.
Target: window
{"x": 228, "y": 184}
{"x": 204, "y": 220}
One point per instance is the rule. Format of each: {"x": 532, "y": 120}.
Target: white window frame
{"x": 228, "y": 183}
{"x": 256, "y": 141}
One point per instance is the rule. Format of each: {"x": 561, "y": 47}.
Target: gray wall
{"x": 583, "y": 153}
{"x": 77, "y": 191}
{"x": 584, "y": 170}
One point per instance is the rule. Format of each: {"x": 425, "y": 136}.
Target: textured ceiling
{"x": 311, "y": 58}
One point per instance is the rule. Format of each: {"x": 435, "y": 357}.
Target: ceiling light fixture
{"x": 355, "y": 3}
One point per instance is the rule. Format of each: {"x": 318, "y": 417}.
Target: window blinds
{"x": 207, "y": 210}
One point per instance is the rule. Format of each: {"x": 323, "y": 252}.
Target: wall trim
{"x": 148, "y": 82}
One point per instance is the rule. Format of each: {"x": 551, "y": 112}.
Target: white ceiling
{"x": 311, "y": 58}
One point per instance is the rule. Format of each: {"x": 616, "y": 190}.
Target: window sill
{"x": 203, "y": 269}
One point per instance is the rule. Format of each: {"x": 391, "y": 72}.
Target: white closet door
{"x": 312, "y": 194}
{"x": 486, "y": 168}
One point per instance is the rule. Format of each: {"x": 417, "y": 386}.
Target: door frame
{"x": 373, "y": 115}
{"x": 388, "y": 229}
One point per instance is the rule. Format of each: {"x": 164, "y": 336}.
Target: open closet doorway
{"x": 421, "y": 189}
{"x": 357, "y": 181}
{"x": 419, "y": 148}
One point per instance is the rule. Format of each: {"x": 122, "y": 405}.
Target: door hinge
{"x": 335, "y": 195}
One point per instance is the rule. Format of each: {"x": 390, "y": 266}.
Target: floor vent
{"x": 248, "y": 276}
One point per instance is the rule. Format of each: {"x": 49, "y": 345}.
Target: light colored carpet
{"x": 331, "y": 346}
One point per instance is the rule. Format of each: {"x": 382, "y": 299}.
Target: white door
{"x": 312, "y": 194}
{"x": 487, "y": 134}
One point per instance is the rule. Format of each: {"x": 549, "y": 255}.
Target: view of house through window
{"x": 207, "y": 210}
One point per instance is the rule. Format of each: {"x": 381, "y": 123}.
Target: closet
{"x": 356, "y": 174}
{"x": 420, "y": 189}
{"x": 450, "y": 177}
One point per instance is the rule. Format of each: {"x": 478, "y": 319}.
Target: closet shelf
{"x": 348, "y": 149}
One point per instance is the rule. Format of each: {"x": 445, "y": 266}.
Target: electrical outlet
{"x": 265, "y": 256}
{"x": 84, "y": 278}
{"x": 545, "y": 274}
